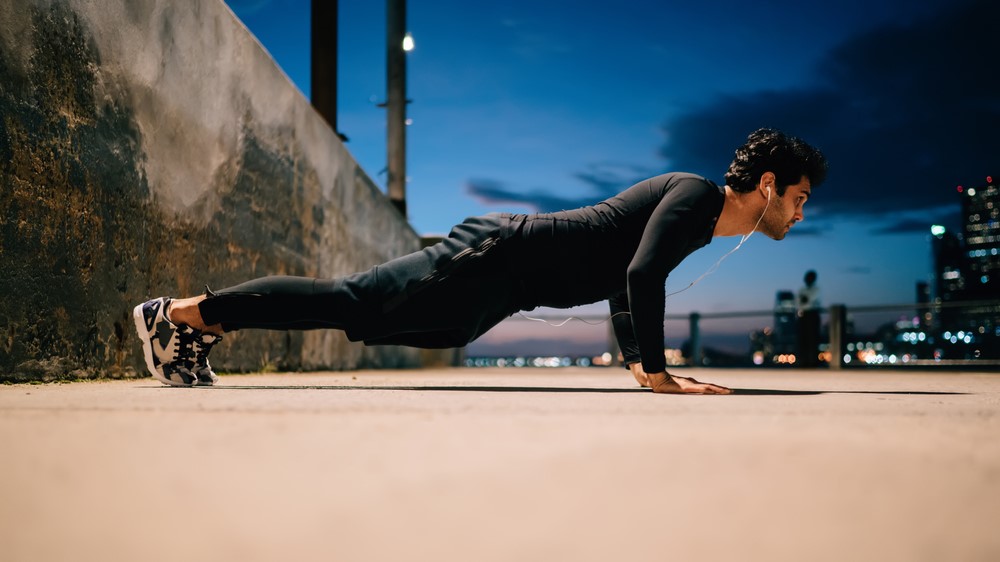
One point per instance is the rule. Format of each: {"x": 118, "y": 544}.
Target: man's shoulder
{"x": 684, "y": 186}
{"x": 680, "y": 176}
{"x": 682, "y": 181}
{"x": 679, "y": 188}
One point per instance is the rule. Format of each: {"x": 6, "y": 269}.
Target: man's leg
{"x": 442, "y": 296}
{"x": 178, "y": 334}
{"x": 365, "y": 305}
{"x": 286, "y": 303}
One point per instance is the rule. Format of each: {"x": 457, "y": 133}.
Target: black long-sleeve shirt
{"x": 620, "y": 249}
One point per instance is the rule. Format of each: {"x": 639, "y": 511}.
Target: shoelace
{"x": 202, "y": 344}
{"x": 193, "y": 347}
{"x": 184, "y": 348}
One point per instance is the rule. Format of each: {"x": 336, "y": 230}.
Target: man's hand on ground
{"x": 639, "y": 374}
{"x": 664, "y": 383}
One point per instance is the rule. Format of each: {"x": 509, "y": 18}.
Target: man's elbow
{"x": 640, "y": 276}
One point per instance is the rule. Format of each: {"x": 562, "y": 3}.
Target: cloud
{"x": 904, "y": 227}
{"x": 492, "y": 192}
{"x": 907, "y": 222}
{"x": 604, "y": 179}
{"x": 858, "y": 270}
{"x": 799, "y": 230}
{"x": 610, "y": 178}
{"x": 904, "y": 113}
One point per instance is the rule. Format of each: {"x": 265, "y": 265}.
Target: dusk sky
{"x": 524, "y": 106}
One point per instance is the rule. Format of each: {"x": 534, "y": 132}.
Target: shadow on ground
{"x": 533, "y": 389}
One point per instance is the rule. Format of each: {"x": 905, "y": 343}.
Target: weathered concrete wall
{"x": 149, "y": 147}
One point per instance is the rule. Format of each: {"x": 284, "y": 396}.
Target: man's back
{"x": 583, "y": 255}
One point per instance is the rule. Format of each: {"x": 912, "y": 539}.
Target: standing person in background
{"x": 808, "y": 307}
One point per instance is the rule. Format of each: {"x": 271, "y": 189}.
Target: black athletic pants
{"x": 443, "y": 296}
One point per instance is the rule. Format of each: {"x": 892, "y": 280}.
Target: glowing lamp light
{"x": 989, "y": 179}
{"x": 408, "y": 43}
{"x": 937, "y": 230}
{"x": 960, "y": 189}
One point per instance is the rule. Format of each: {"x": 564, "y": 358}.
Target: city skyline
{"x": 527, "y": 107}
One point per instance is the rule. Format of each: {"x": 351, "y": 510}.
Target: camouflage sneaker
{"x": 175, "y": 355}
{"x": 202, "y": 342}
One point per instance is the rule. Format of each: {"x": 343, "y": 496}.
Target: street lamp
{"x": 398, "y": 43}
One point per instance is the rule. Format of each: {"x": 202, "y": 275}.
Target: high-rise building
{"x": 981, "y": 226}
{"x": 967, "y": 273}
{"x": 949, "y": 279}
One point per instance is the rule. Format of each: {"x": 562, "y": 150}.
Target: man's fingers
{"x": 673, "y": 384}
{"x": 716, "y": 389}
{"x": 689, "y": 385}
{"x": 706, "y": 388}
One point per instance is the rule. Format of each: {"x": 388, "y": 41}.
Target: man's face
{"x": 783, "y": 212}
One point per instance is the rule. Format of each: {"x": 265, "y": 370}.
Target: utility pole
{"x": 396, "y": 102}
{"x": 323, "y": 89}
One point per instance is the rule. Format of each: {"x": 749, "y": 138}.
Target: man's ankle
{"x": 185, "y": 312}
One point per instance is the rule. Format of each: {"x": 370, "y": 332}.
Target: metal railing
{"x": 936, "y": 333}
{"x": 946, "y": 334}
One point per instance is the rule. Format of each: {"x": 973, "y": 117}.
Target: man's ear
{"x": 767, "y": 186}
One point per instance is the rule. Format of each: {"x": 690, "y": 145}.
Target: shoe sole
{"x": 147, "y": 346}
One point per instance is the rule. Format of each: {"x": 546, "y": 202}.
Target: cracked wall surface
{"x": 151, "y": 147}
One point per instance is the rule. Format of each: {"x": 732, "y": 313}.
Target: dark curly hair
{"x": 770, "y": 150}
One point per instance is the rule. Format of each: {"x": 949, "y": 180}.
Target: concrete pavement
{"x": 491, "y": 464}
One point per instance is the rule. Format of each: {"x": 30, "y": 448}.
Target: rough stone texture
{"x": 150, "y": 147}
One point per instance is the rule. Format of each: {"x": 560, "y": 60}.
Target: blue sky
{"x": 522, "y": 106}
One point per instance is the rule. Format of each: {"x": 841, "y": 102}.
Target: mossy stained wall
{"x": 150, "y": 147}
